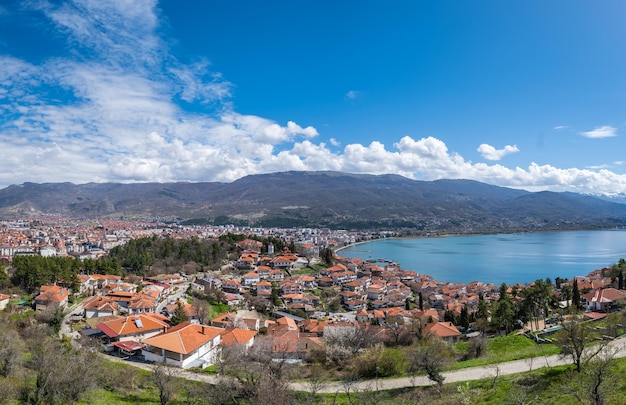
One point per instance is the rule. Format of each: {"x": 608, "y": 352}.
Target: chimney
{"x": 203, "y": 329}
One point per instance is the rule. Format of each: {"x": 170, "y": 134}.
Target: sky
{"x": 528, "y": 95}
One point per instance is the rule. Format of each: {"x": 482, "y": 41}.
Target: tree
{"x": 567, "y": 293}
{"x": 62, "y": 374}
{"x": 537, "y": 300}
{"x": 398, "y": 333}
{"x": 576, "y": 296}
{"x": 10, "y": 351}
{"x": 180, "y": 315}
{"x": 464, "y": 318}
{"x": 597, "y": 381}
{"x": 5, "y": 280}
{"x": 327, "y": 255}
{"x": 450, "y": 316}
{"x": 504, "y": 314}
{"x": 164, "y": 378}
{"x": 259, "y": 374}
{"x": 275, "y": 296}
{"x": 346, "y": 340}
{"x": 430, "y": 355}
{"x": 201, "y": 311}
{"x": 574, "y": 339}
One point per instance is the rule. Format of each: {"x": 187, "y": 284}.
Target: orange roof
{"x": 443, "y": 329}
{"x": 105, "y": 277}
{"x": 232, "y": 336}
{"x": 131, "y": 325}
{"x": 141, "y": 303}
{"x": 184, "y": 338}
{"x": 287, "y": 321}
{"x": 100, "y": 303}
{"x": 52, "y": 293}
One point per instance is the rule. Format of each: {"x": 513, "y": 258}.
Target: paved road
{"x": 65, "y": 323}
{"x": 467, "y": 374}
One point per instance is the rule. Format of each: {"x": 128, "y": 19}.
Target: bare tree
{"x": 62, "y": 374}
{"x": 496, "y": 374}
{"x": 201, "y": 311}
{"x": 597, "y": 380}
{"x": 225, "y": 391}
{"x": 165, "y": 379}
{"x": 10, "y": 388}
{"x": 314, "y": 383}
{"x": 10, "y": 351}
{"x": 346, "y": 340}
{"x": 398, "y": 333}
{"x": 261, "y": 375}
{"x": 574, "y": 339}
{"x": 430, "y": 355}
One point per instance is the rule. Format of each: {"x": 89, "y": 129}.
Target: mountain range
{"x": 323, "y": 199}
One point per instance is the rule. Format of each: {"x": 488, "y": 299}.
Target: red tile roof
{"x": 184, "y": 338}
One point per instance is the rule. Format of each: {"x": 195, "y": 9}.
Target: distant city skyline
{"x": 527, "y": 95}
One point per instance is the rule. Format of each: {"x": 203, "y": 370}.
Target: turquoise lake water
{"x": 509, "y": 258}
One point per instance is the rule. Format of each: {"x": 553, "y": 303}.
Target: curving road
{"x": 466, "y": 374}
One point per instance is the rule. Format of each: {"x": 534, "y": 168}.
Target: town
{"x": 299, "y": 299}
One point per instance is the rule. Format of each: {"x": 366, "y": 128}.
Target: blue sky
{"x": 527, "y": 94}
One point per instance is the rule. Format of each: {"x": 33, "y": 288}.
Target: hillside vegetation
{"x": 323, "y": 199}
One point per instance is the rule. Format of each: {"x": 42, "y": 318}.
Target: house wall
{"x": 140, "y": 337}
{"x": 208, "y": 353}
{"x": 94, "y": 313}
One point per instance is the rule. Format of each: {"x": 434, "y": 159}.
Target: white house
{"x": 4, "y": 301}
{"x": 186, "y": 345}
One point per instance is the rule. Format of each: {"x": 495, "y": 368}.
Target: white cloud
{"x": 353, "y": 95}
{"x": 605, "y": 131}
{"x": 122, "y": 120}
{"x": 490, "y": 153}
{"x": 560, "y": 127}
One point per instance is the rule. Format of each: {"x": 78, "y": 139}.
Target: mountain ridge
{"x": 323, "y": 199}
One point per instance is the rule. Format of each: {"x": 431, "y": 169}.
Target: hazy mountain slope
{"x": 330, "y": 199}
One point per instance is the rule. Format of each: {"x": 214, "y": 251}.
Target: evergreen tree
{"x": 504, "y": 314}
{"x": 275, "y": 297}
{"x": 482, "y": 312}
{"x": 449, "y": 316}
{"x": 328, "y": 256}
{"x": 620, "y": 279}
{"x": 576, "y": 295}
{"x": 180, "y": 315}
{"x": 464, "y": 318}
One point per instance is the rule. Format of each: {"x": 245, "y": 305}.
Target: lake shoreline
{"x": 511, "y": 257}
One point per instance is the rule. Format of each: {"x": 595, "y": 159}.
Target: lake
{"x": 509, "y": 258}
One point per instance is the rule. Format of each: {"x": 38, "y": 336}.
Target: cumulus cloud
{"x": 112, "y": 110}
{"x": 490, "y": 153}
{"x": 605, "y": 131}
